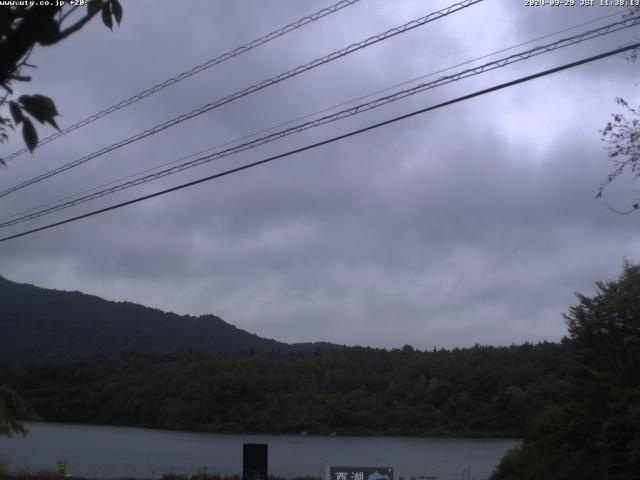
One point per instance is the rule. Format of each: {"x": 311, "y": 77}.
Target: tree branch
{"x": 76, "y": 26}
{"x": 22, "y": 39}
{"x": 69, "y": 12}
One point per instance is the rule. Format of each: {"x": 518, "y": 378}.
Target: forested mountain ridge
{"x": 43, "y": 323}
{"x": 79, "y": 358}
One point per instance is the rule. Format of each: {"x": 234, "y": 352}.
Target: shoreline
{"x": 436, "y": 435}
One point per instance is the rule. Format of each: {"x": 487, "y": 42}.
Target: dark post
{"x": 254, "y": 461}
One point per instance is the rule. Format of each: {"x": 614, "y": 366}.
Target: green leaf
{"x": 29, "y": 134}
{"x": 116, "y": 8}
{"x": 46, "y": 30}
{"x": 16, "y": 112}
{"x": 41, "y": 108}
{"x": 106, "y": 15}
{"x": 93, "y": 6}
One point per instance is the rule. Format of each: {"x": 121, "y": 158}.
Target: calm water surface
{"x": 107, "y": 452}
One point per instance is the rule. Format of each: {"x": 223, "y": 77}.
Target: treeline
{"x": 479, "y": 391}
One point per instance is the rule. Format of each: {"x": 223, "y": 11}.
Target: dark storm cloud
{"x": 470, "y": 224}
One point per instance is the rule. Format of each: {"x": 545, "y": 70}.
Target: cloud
{"x": 470, "y": 224}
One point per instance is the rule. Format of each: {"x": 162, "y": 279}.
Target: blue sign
{"x": 361, "y": 473}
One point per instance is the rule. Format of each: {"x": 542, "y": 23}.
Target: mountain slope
{"x": 37, "y": 322}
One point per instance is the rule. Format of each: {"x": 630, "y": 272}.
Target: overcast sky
{"x": 475, "y": 223}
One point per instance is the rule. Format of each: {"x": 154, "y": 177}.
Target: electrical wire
{"x": 330, "y": 140}
{"x": 304, "y": 117}
{"x": 193, "y": 71}
{"x": 517, "y": 57}
{"x": 252, "y": 89}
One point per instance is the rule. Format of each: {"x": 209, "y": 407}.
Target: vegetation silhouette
{"x": 594, "y": 431}
{"x": 24, "y": 26}
{"x": 478, "y": 391}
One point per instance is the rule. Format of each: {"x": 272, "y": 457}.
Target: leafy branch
{"x": 21, "y": 29}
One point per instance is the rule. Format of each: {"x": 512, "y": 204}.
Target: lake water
{"x": 109, "y": 452}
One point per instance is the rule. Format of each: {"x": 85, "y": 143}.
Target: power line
{"x": 309, "y": 115}
{"x": 193, "y": 71}
{"x": 252, "y": 89}
{"x": 331, "y": 140}
{"x": 339, "y": 115}
{"x": 517, "y": 57}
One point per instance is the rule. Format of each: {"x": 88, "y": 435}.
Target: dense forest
{"x": 483, "y": 391}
